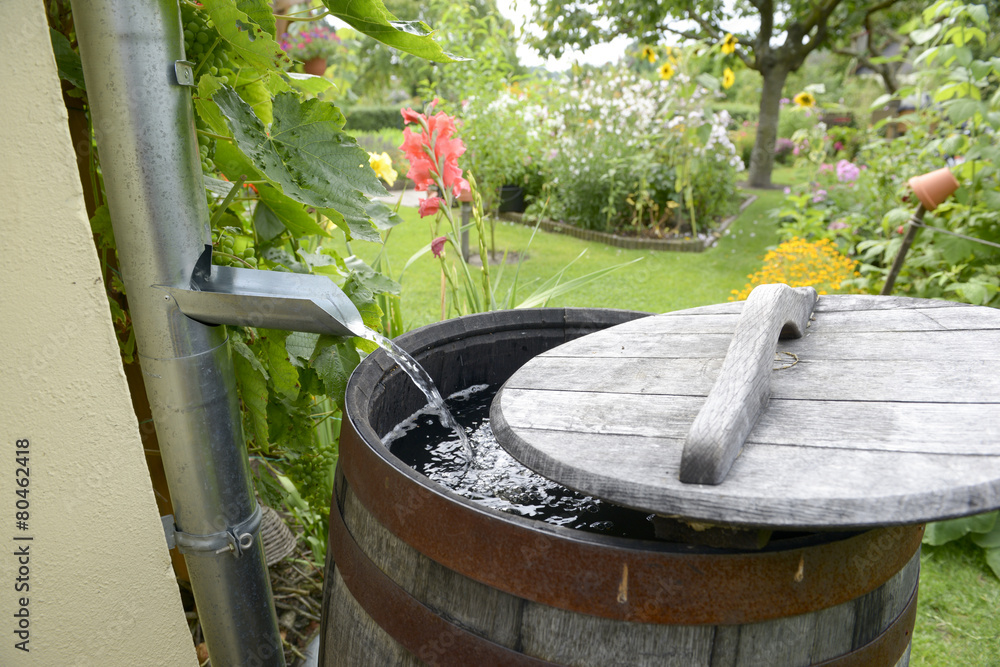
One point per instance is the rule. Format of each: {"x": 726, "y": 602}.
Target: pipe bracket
{"x": 235, "y": 539}
{"x": 184, "y": 72}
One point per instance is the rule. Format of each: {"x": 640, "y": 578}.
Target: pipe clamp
{"x": 235, "y": 539}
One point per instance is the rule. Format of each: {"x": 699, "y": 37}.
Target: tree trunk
{"x": 762, "y": 157}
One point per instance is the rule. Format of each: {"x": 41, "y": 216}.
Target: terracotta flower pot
{"x": 933, "y": 188}
{"x": 316, "y": 66}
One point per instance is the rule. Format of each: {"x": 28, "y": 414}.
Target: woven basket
{"x": 278, "y": 539}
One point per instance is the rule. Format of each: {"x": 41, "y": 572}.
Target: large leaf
{"x": 334, "y": 364}
{"x": 67, "y": 60}
{"x": 276, "y": 206}
{"x": 260, "y": 12}
{"x": 252, "y": 381}
{"x": 251, "y": 42}
{"x": 283, "y": 374}
{"x": 942, "y": 532}
{"x": 208, "y": 111}
{"x": 372, "y": 18}
{"x": 306, "y": 154}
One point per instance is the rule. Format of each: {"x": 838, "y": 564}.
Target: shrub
{"x": 373, "y": 119}
{"x": 613, "y": 167}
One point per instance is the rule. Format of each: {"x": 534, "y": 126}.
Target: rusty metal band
{"x": 407, "y": 620}
{"x": 888, "y": 647}
{"x": 613, "y": 578}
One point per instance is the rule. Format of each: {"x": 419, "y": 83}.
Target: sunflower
{"x": 666, "y": 71}
{"x": 728, "y": 78}
{"x": 729, "y": 44}
{"x": 648, "y": 53}
{"x": 805, "y": 99}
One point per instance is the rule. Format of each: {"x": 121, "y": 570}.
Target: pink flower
{"x": 837, "y": 224}
{"x": 430, "y": 206}
{"x": 433, "y": 153}
{"x": 411, "y": 116}
{"x": 823, "y": 168}
{"x": 838, "y": 146}
{"x": 819, "y": 196}
{"x": 787, "y": 190}
{"x": 437, "y": 246}
{"x": 847, "y": 171}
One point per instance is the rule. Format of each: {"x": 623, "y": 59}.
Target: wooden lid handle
{"x": 743, "y": 387}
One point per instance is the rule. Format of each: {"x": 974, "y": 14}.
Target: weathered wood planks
{"x": 890, "y": 415}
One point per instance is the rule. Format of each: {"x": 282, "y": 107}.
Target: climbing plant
{"x": 278, "y": 137}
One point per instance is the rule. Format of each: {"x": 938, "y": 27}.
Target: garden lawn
{"x": 957, "y": 623}
{"x": 659, "y": 282}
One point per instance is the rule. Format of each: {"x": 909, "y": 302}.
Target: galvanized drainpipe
{"x": 144, "y": 127}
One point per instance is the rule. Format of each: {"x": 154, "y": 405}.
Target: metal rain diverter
{"x": 786, "y": 412}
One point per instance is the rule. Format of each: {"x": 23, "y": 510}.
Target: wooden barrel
{"x": 418, "y": 575}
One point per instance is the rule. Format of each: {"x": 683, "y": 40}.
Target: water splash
{"x": 497, "y": 480}
{"x": 425, "y": 384}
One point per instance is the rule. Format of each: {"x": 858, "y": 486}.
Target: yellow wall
{"x": 102, "y": 591}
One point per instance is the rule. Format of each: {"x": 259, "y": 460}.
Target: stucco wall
{"x": 101, "y": 589}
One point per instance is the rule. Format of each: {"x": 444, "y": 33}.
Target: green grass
{"x": 957, "y": 621}
{"x": 660, "y": 282}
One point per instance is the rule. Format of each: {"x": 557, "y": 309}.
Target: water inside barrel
{"x": 494, "y": 479}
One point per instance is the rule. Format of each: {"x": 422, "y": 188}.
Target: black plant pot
{"x": 511, "y": 199}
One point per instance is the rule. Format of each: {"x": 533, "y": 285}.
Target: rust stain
{"x": 623, "y": 586}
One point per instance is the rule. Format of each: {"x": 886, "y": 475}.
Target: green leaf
{"x": 370, "y": 278}
{"x": 252, "y": 383}
{"x": 67, "y": 60}
{"x": 309, "y": 83}
{"x": 260, "y": 12}
{"x": 964, "y": 109}
{"x": 993, "y": 560}
{"x": 988, "y": 540}
{"x": 284, "y": 375}
{"x": 334, "y": 364}
{"x": 880, "y": 102}
{"x": 288, "y": 212}
{"x": 373, "y": 19}
{"x": 924, "y": 35}
{"x": 364, "y": 299}
{"x": 306, "y": 154}
{"x": 251, "y": 42}
{"x": 100, "y": 224}
{"x": 383, "y": 216}
{"x": 300, "y": 347}
{"x": 208, "y": 110}
{"x": 942, "y": 532}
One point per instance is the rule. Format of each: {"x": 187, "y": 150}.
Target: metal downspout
{"x": 144, "y": 126}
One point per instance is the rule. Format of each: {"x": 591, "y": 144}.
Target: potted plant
{"x": 313, "y": 46}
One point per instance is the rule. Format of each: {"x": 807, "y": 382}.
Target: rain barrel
{"x": 419, "y": 575}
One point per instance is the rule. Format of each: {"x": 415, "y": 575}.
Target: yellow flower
{"x": 648, "y": 54}
{"x": 728, "y": 78}
{"x": 382, "y": 165}
{"x": 666, "y": 71}
{"x": 729, "y": 44}
{"x": 801, "y": 263}
{"x": 805, "y": 100}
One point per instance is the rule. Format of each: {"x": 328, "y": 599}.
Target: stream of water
{"x": 425, "y": 384}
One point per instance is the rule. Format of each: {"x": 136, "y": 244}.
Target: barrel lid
{"x": 886, "y": 411}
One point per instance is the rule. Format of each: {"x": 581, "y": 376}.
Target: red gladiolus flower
{"x": 430, "y": 206}
{"x": 437, "y": 246}
{"x": 433, "y": 153}
{"x": 411, "y": 116}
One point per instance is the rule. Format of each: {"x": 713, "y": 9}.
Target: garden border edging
{"x": 628, "y": 242}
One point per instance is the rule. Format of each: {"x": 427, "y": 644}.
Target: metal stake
{"x": 897, "y": 264}
{"x": 144, "y": 126}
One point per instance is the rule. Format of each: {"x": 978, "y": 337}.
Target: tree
{"x": 804, "y": 25}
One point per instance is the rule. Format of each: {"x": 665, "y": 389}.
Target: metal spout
{"x": 270, "y": 299}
